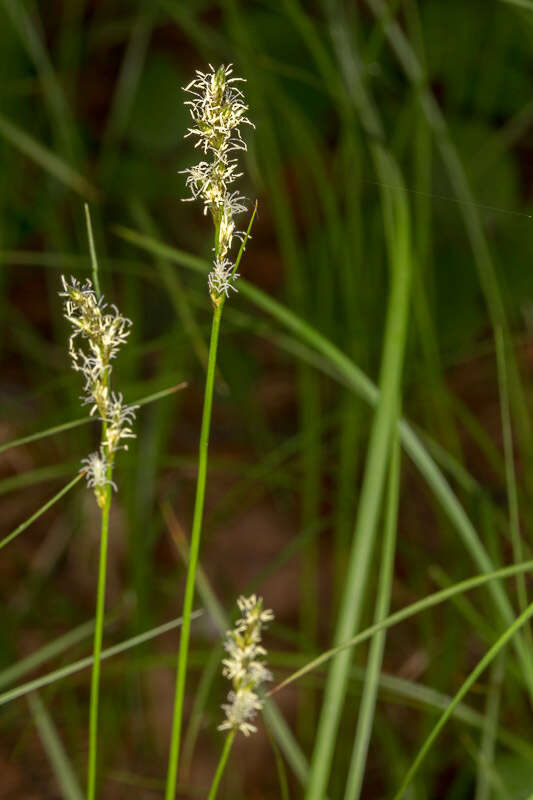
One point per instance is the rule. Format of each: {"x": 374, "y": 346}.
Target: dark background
{"x": 92, "y": 111}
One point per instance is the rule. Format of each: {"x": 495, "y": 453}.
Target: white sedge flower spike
{"x": 218, "y": 109}
{"x": 98, "y": 331}
{"x": 245, "y": 666}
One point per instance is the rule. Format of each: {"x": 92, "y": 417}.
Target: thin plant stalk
{"x": 271, "y": 713}
{"x": 102, "y": 566}
{"x": 221, "y": 765}
{"x": 183, "y": 653}
{"x": 97, "y": 649}
{"x": 181, "y": 672}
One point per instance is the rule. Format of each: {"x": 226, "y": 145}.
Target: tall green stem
{"x": 365, "y": 722}
{"x": 172, "y": 774}
{"x": 98, "y": 632}
{"x": 221, "y": 765}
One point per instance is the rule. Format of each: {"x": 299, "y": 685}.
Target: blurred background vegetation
{"x": 92, "y": 111}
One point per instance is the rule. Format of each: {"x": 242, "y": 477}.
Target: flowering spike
{"x": 98, "y": 331}
{"x": 244, "y": 666}
{"x": 218, "y": 109}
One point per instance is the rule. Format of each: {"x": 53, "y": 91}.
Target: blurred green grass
{"x": 92, "y": 110}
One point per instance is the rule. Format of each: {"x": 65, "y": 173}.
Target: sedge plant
{"x": 218, "y": 110}
{"x": 245, "y": 668}
{"x": 98, "y": 331}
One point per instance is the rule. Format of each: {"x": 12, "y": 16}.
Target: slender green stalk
{"x": 221, "y": 765}
{"x": 375, "y": 659}
{"x": 98, "y": 633}
{"x": 172, "y": 774}
{"x": 487, "y": 659}
{"x": 49, "y": 503}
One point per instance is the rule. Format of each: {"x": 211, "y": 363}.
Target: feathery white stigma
{"x": 245, "y": 666}
{"x": 218, "y": 109}
{"x": 98, "y": 331}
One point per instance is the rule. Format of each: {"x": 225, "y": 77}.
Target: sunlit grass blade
{"x": 375, "y": 658}
{"x": 527, "y": 4}
{"x": 64, "y": 773}
{"x": 409, "y": 611}
{"x": 465, "y": 688}
{"x": 397, "y": 227}
{"x": 84, "y": 663}
{"x": 48, "y": 651}
{"x": 419, "y": 696}
{"x": 358, "y": 382}
{"x": 22, "y": 527}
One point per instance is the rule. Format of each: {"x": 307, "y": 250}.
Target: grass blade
{"x": 46, "y": 159}
{"x": 78, "y": 666}
{"x": 490, "y": 730}
{"x": 467, "y": 685}
{"x": 397, "y": 228}
{"x": 359, "y": 383}
{"x": 375, "y": 659}
{"x": 22, "y": 527}
{"x": 65, "y": 775}
{"x": 409, "y": 611}
{"x": 66, "y": 426}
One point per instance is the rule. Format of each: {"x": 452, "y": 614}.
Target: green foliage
{"x": 364, "y": 112}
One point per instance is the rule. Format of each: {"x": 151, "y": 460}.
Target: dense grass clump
{"x": 334, "y": 424}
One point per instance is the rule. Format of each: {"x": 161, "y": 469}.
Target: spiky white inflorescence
{"x": 245, "y": 666}
{"x": 218, "y": 109}
{"x": 98, "y": 332}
